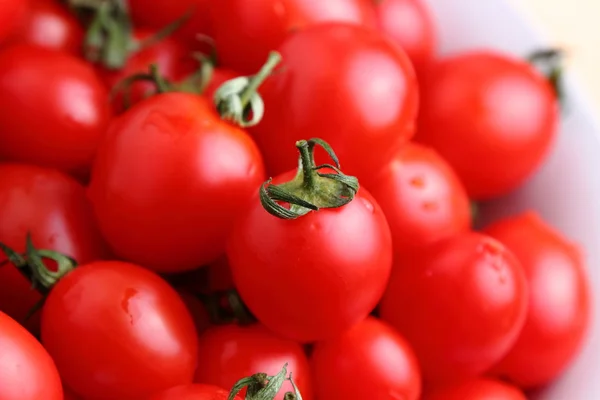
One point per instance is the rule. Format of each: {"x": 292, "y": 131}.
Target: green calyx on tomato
{"x": 551, "y": 61}
{"x": 310, "y": 190}
{"x": 260, "y": 386}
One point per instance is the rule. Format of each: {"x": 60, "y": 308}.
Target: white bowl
{"x": 566, "y": 191}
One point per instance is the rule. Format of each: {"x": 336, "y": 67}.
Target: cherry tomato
{"x": 50, "y": 25}
{"x": 460, "y": 303}
{"x": 157, "y": 14}
{"x": 194, "y": 392}
{"x": 52, "y": 207}
{"x": 26, "y": 370}
{"x": 481, "y": 109}
{"x": 55, "y": 110}
{"x": 373, "y": 351}
{"x": 170, "y": 180}
{"x": 69, "y": 395}
{"x": 314, "y": 277}
{"x": 408, "y": 23}
{"x": 230, "y": 353}
{"x": 118, "y": 331}
{"x": 422, "y": 198}
{"x": 346, "y": 85}
{"x": 11, "y": 14}
{"x": 559, "y": 300}
{"x": 245, "y": 32}
{"x": 478, "y": 389}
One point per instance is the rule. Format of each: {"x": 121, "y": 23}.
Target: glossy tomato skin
{"x": 170, "y": 180}
{"x": 478, "y": 389}
{"x": 336, "y": 262}
{"x": 245, "y": 32}
{"x": 230, "y": 353}
{"x": 26, "y": 370}
{"x": 559, "y": 300}
{"x": 376, "y": 353}
{"x": 60, "y": 126}
{"x": 409, "y": 24}
{"x": 54, "y": 209}
{"x": 422, "y": 198}
{"x": 49, "y": 24}
{"x": 460, "y": 303}
{"x": 194, "y": 392}
{"x": 481, "y": 109}
{"x": 108, "y": 325}
{"x": 356, "y": 90}
{"x": 12, "y": 13}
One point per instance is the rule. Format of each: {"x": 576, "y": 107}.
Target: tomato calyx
{"x": 226, "y": 307}
{"x": 310, "y": 190}
{"x": 260, "y": 386}
{"x": 551, "y": 62}
{"x": 238, "y": 100}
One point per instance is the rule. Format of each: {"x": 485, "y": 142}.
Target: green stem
{"x": 551, "y": 62}
{"x": 258, "y": 79}
{"x": 308, "y": 164}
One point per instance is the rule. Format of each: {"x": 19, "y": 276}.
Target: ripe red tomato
{"x": 408, "y": 23}
{"x": 59, "y": 126}
{"x": 478, "y": 389}
{"x": 54, "y": 208}
{"x": 118, "y": 331}
{"x": 422, "y": 198}
{"x": 461, "y": 304}
{"x": 373, "y": 351}
{"x": 26, "y": 371}
{"x": 170, "y": 180}
{"x": 69, "y": 395}
{"x": 356, "y": 90}
{"x": 50, "y": 25}
{"x": 245, "y": 32}
{"x": 481, "y": 109}
{"x": 314, "y": 277}
{"x": 11, "y": 14}
{"x": 194, "y": 392}
{"x": 559, "y": 300}
{"x": 230, "y": 353}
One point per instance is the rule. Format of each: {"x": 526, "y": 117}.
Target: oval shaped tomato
{"x": 559, "y": 300}
{"x": 230, "y": 353}
{"x": 421, "y": 197}
{"x": 194, "y": 392}
{"x": 54, "y": 209}
{"x": 26, "y": 370}
{"x": 170, "y": 180}
{"x": 11, "y": 14}
{"x": 245, "y": 32}
{"x": 408, "y": 23}
{"x": 55, "y": 109}
{"x": 478, "y": 389}
{"x": 481, "y": 109}
{"x": 314, "y": 277}
{"x": 118, "y": 331}
{"x": 356, "y": 90}
{"x": 460, "y": 303}
{"x": 373, "y": 351}
{"x": 50, "y": 25}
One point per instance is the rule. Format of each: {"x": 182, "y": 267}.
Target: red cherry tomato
{"x": 230, "y": 353}
{"x": 26, "y": 370}
{"x": 408, "y": 23}
{"x": 245, "y": 32}
{"x": 461, "y": 304}
{"x": 194, "y": 392}
{"x": 11, "y": 14}
{"x": 559, "y": 300}
{"x": 478, "y": 389}
{"x": 55, "y": 110}
{"x": 55, "y": 210}
{"x": 314, "y": 277}
{"x": 373, "y": 351}
{"x": 157, "y": 14}
{"x": 69, "y": 395}
{"x": 422, "y": 198}
{"x": 118, "y": 331}
{"x": 170, "y": 180}
{"x": 50, "y": 25}
{"x": 481, "y": 109}
{"x": 346, "y": 85}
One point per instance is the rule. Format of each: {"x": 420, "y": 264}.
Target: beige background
{"x": 574, "y": 25}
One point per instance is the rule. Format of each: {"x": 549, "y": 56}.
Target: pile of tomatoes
{"x": 273, "y": 199}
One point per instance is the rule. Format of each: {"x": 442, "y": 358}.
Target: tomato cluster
{"x": 272, "y": 199}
